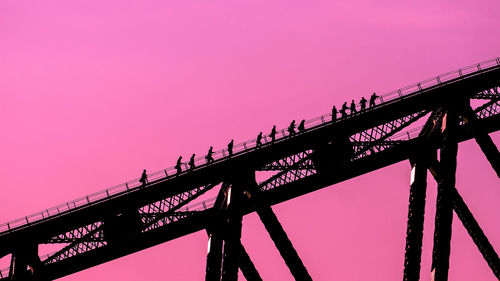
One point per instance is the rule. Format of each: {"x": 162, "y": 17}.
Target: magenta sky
{"x": 91, "y": 94}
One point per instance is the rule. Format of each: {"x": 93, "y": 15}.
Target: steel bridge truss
{"x": 415, "y": 135}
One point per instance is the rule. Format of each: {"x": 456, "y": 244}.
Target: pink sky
{"x": 91, "y": 94}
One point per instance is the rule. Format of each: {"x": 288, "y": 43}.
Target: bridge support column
{"x": 26, "y": 265}
{"x": 216, "y": 246}
{"x": 214, "y": 257}
{"x": 214, "y": 261}
{"x": 232, "y": 233}
{"x": 416, "y": 211}
{"x": 482, "y": 138}
{"x": 444, "y": 211}
{"x": 471, "y": 225}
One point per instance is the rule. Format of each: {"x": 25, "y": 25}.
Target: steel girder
{"x": 365, "y": 143}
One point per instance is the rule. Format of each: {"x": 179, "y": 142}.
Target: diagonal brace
{"x": 470, "y": 224}
{"x": 280, "y": 239}
{"x": 482, "y": 138}
{"x": 247, "y": 267}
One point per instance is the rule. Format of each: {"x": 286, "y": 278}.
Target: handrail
{"x": 238, "y": 149}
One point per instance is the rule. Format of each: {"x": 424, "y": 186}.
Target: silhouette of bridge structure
{"x": 413, "y": 123}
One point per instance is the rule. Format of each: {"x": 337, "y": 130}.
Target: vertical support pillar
{"x": 215, "y": 237}
{"x": 416, "y": 211}
{"x": 214, "y": 257}
{"x": 18, "y": 266}
{"x": 232, "y": 234}
{"x": 26, "y": 265}
{"x": 444, "y": 211}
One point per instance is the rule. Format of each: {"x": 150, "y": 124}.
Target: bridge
{"x": 414, "y": 123}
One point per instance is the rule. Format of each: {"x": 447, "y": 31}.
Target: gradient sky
{"x": 92, "y": 93}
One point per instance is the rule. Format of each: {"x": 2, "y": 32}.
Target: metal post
{"x": 215, "y": 240}
{"x": 232, "y": 234}
{"x": 214, "y": 257}
{"x": 416, "y": 211}
{"x": 214, "y": 261}
{"x": 444, "y": 211}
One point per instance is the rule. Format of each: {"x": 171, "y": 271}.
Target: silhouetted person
{"x": 343, "y": 110}
{"x": 209, "y": 157}
{"x": 363, "y": 103}
{"x": 178, "y": 166}
{"x": 259, "y": 140}
{"x": 372, "y": 99}
{"x": 273, "y": 134}
{"x": 353, "y": 107}
{"x": 291, "y": 128}
{"x": 144, "y": 178}
{"x": 334, "y": 113}
{"x": 230, "y": 148}
{"x": 191, "y": 162}
{"x": 301, "y": 126}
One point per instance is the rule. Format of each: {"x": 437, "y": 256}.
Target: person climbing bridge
{"x": 372, "y": 99}
{"x": 353, "y": 107}
{"x": 144, "y": 178}
{"x": 334, "y": 113}
{"x": 301, "y": 126}
{"x": 291, "y": 128}
{"x": 273, "y": 134}
{"x": 343, "y": 110}
{"x": 259, "y": 140}
{"x": 362, "y": 102}
{"x": 209, "y": 157}
{"x": 191, "y": 162}
{"x": 178, "y": 166}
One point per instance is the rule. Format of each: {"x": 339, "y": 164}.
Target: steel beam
{"x": 416, "y": 211}
{"x": 279, "y": 237}
{"x": 214, "y": 257}
{"x": 26, "y": 265}
{"x": 444, "y": 211}
{"x": 214, "y": 260}
{"x": 482, "y": 138}
{"x": 232, "y": 234}
{"x": 247, "y": 267}
{"x": 476, "y": 233}
{"x": 283, "y": 244}
{"x": 215, "y": 238}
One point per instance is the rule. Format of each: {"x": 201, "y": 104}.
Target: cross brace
{"x": 280, "y": 239}
{"x": 470, "y": 223}
{"x": 482, "y": 138}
